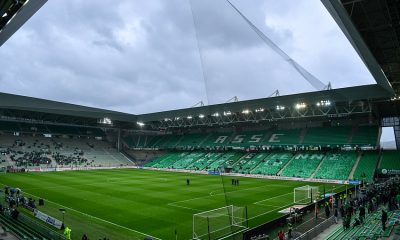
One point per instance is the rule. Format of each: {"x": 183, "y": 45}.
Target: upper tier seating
{"x": 366, "y": 166}
{"x": 365, "y": 135}
{"x": 390, "y": 160}
{"x": 337, "y": 166}
{"x": 303, "y": 165}
{"x": 327, "y": 136}
{"x": 273, "y": 163}
{"x": 321, "y": 136}
{"x": 23, "y": 127}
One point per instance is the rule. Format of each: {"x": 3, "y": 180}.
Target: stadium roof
{"x": 22, "y": 103}
{"x": 371, "y": 53}
{"x": 377, "y": 25}
{"x": 14, "y": 13}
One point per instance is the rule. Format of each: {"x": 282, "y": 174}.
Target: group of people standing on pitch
{"x": 235, "y": 182}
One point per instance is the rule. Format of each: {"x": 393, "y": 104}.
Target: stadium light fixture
{"x": 167, "y": 119}
{"x": 246, "y": 111}
{"x": 215, "y": 114}
{"x": 300, "y": 105}
{"x": 280, "y": 108}
{"x": 189, "y": 117}
{"x": 201, "y": 116}
{"x": 227, "y": 113}
{"x": 324, "y": 103}
{"x": 140, "y": 124}
{"x": 106, "y": 121}
{"x": 259, "y": 110}
{"x": 177, "y": 118}
{"x": 4, "y": 15}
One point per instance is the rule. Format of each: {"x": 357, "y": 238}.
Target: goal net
{"x": 305, "y": 194}
{"x": 218, "y": 223}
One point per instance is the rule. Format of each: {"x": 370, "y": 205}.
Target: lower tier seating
{"x": 303, "y": 165}
{"x": 371, "y": 229}
{"x": 337, "y": 166}
{"x": 366, "y": 166}
{"x": 273, "y": 163}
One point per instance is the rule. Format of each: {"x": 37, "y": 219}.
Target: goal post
{"x": 219, "y": 222}
{"x": 305, "y": 194}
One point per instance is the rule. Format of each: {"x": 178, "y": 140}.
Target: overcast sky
{"x": 142, "y": 56}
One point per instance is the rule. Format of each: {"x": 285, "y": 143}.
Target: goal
{"x": 305, "y": 194}
{"x": 219, "y": 223}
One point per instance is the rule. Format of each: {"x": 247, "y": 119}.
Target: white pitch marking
{"x": 88, "y": 215}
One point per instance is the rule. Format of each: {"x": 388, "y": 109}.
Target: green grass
{"x": 132, "y": 203}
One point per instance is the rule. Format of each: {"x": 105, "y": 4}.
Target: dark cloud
{"x": 143, "y": 56}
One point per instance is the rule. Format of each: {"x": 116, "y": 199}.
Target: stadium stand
{"x": 365, "y": 135}
{"x": 192, "y": 140}
{"x": 19, "y": 228}
{"x": 37, "y": 151}
{"x": 166, "y": 160}
{"x": 203, "y": 162}
{"x": 187, "y": 160}
{"x": 371, "y": 229}
{"x": 253, "y": 162}
{"x": 303, "y": 165}
{"x": 283, "y": 138}
{"x": 21, "y": 127}
{"x": 319, "y": 136}
{"x": 327, "y": 136}
{"x": 366, "y": 166}
{"x": 337, "y": 166}
{"x": 238, "y": 166}
{"x": 390, "y": 160}
{"x": 228, "y": 159}
{"x": 273, "y": 163}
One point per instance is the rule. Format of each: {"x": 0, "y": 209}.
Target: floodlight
{"x": 201, "y": 116}
{"x": 280, "y": 108}
{"x": 323, "y": 103}
{"x": 140, "y": 124}
{"x": 246, "y": 111}
{"x": 300, "y": 105}
{"x": 106, "y": 121}
{"x": 189, "y": 117}
{"x": 259, "y": 110}
{"x": 215, "y": 114}
{"x": 227, "y": 113}
{"x": 177, "y": 118}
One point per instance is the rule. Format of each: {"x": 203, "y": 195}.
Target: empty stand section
{"x": 366, "y": 166}
{"x": 390, "y": 160}
{"x": 327, "y": 136}
{"x": 365, "y": 135}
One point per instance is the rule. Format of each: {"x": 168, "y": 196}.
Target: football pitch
{"x": 135, "y": 203}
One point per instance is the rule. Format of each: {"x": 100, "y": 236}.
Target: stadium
{"x": 292, "y": 165}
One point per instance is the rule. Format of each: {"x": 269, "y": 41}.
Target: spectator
{"x": 384, "y": 219}
{"x": 281, "y": 235}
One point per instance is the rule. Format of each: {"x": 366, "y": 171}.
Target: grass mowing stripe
{"x": 141, "y": 200}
